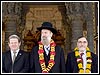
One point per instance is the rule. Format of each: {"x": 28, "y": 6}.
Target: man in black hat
{"x": 47, "y": 57}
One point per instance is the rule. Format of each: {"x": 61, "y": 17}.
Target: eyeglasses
{"x": 82, "y": 42}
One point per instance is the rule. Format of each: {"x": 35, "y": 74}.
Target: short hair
{"x": 14, "y": 36}
{"x": 81, "y": 37}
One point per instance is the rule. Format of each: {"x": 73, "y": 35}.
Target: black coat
{"x": 72, "y": 66}
{"x": 21, "y": 64}
{"x": 59, "y": 66}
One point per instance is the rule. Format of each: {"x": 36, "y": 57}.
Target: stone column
{"x": 11, "y": 16}
{"x": 77, "y": 30}
{"x": 10, "y": 28}
{"x": 68, "y": 28}
{"x": 75, "y": 20}
{"x": 89, "y": 22}
{"x": 77, "y": 23}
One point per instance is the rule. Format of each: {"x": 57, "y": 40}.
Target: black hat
{"x": 47, "y": 25}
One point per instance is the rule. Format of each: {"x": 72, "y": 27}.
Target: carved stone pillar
{"x": 77, "y": 30}
{"x": 76, "y": 22}
{"x": 68, "y": 29}
{"x": 11, "y": 16}
{"x": 10, "y": 27}
{"x": 89, "y": 22}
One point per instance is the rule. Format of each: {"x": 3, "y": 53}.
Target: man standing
{"x": 47, "y": 57}
{"x": 15, "y": 60}
{"x": 82, "y": 60}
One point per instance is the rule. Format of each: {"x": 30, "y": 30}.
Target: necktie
{"x": 81, "y": 57}
{"x": 47, "y": 52}
{"x": 14, "y": 56}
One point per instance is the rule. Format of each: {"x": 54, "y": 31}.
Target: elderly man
{"x": 82, "y": 60}
{"x": 47, "y": 57}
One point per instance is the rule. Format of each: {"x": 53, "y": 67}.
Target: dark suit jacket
{"x": 59, "y": 66}
{"x": 21, "y": 64}
{"x": 72, "y": 67}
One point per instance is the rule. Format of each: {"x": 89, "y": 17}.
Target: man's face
{"x": 46, "y": 36}
{"x": 14, "y": 44}
{"x": 82, "y": 44}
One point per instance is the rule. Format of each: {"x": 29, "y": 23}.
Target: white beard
{"x": 45, "y": 40}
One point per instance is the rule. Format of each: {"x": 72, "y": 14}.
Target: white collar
{"x": 45, "y": 46}
{"x": 16, "y": 51}
{"x": 82, "y": 52}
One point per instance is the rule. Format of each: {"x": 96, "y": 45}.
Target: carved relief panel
{"x": 36, "y": 15}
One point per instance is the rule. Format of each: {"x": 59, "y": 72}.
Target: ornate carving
{"x": 29, "y": 41}
{"x": 10, "y": 8}
{"x": 36, "y": 15}
{"x": 3, "y": 36}
{"x": 58, "y": 38}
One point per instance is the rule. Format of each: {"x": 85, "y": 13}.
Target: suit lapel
{"x": 19, "y": 55}
{"x": 9, "y": 56}
{"x": 75, "y": 65}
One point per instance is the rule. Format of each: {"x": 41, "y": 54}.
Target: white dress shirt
{"x": 12, "y": 54}
{"x": 47, "y": 50}
{"x": 84, "y": 60}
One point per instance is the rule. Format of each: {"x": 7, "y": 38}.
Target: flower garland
{"x": 41, "y": 56}
{"x": 79, "y": 60}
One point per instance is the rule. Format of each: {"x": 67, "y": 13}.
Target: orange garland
{"x": 41, "y": 57}
{"x": 79, "y": 60}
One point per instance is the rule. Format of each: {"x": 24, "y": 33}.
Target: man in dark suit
{"x": 47, "y": 57}
{"x": 15, "y": 60}
{"x": 82, "y": 60}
